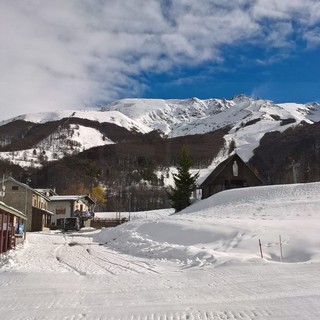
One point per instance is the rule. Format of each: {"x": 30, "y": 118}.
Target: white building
{"x": 71, "y": 206}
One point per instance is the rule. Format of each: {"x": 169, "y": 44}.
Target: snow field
{"x": 203, "y": 263}
{"x": 227, "y": 227}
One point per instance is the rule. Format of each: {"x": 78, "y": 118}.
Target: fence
{"x": 106, "y": 223}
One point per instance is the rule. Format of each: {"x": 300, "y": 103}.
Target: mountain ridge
{"x": 77, "y": 130}
{"x": 131, "y": 148}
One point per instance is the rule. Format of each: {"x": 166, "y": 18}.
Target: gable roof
{"x": 12, "y": 210}
{"x": 72, "y": 198}
{"x": 46, "y": 191}
{"x": 215, "y": 173}
{"x": 23, "y": 185}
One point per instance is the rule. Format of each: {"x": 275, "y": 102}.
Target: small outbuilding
{"x": 229, "y": 174}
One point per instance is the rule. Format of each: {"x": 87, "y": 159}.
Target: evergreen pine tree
{"x": 184, "y": 181}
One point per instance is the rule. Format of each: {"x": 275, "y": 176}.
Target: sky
{"x": 82, "y": 54}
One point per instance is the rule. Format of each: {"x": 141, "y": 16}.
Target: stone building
{"x": 29, "y": 201}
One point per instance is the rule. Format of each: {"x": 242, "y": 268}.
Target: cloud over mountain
{"x": 63, "y": 54}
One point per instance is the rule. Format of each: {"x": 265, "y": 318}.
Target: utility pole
{"x": 26, "y": 202}
{"x": 3, "y": 188}
{"x": 129, "y": 202}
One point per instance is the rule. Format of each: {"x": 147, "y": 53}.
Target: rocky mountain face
{"x": 135, "y": 142}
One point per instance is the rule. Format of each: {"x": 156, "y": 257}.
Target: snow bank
{"x": 226, "y": 228}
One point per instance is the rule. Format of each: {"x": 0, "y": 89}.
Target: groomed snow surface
{"x": 203, "y": 263}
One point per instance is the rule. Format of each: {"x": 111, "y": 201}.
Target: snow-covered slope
{"x": 173, "y": 117}
{"x": 65, "y": 141}
{"x": 114, "y": 117}
{"x": 204, "y": 263}
{"x": 76, "y": 139}
{"x": 194, "y": 116}
{"x": 247, "y": 119}
{"x": 225, "y": 228}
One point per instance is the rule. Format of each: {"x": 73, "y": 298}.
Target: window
{"x": 61, "y": 211}
{"x": 60, "y": 222}
{"x": 15, "y": 188}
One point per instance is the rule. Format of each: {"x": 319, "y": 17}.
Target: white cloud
{"x": 69, "y": 54}
{"x": 312, "y": 36}
{"x": 279, "y": 35}
{"x": 301, "y": 10}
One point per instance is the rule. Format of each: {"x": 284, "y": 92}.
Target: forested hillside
{"x": 291, "y": 156}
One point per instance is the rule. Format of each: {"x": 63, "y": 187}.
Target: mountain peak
{"x": 241, "y": 98}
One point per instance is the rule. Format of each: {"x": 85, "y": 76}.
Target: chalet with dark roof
{"x": 229, "y": 174}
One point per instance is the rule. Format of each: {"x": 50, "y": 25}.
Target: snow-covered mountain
{"x": 248, "y": 120}
{"x": 195, "y": 116}
{"x": 114, "y": 117}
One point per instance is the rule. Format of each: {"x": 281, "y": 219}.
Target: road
{"x": 69, "y": 276}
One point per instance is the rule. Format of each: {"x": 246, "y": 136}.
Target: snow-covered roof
{"x": 46, "y": 190}
{"x": 71, "y": 198}
{"x": 12, "y": 210}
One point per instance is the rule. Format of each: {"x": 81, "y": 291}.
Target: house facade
{"x": 68, "y": 206}
{"x": 29, "y": 201}
{"x": 230, "y": 174}
{"x": 12, "y": 224}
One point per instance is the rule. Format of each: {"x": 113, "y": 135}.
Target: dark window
{"x": 15, "y": 188}
{"x": 60, "y": 222}
{"x": 238, "y": 184}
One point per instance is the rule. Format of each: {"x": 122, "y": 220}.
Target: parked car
{"x": 72, "y": 224}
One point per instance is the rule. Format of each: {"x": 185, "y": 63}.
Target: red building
{"x": 12, "y": 223}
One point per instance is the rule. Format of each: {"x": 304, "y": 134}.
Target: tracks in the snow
{"x": 90, "y": 258}
{"x": 118, "y": 261}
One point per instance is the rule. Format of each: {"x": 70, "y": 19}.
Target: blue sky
{"x": 292, "y": 79}
{"x": 83, "y": 54}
